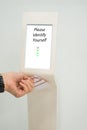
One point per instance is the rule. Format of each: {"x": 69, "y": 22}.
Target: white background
{"x": 71, "y": 63}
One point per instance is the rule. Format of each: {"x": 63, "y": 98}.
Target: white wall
{"x": 71, "y": 70}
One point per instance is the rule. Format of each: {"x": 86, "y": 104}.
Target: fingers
{"x": 28, "y": 82}
{"x": 24, "y": 87}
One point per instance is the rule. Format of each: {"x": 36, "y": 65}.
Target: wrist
{"x": 4, "y": 76}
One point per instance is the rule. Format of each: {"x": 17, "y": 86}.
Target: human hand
{"x": 18, "y": 84}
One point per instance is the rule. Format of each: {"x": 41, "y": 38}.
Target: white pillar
{"x": 42, "y": 108}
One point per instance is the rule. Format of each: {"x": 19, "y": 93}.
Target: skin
{"x": 18, "y": 84}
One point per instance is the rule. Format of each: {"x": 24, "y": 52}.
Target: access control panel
{"x": 38, "y": 61}
{"x": 38, "y": 46}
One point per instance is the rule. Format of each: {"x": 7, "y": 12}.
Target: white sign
{"x": 38, "y": 46}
